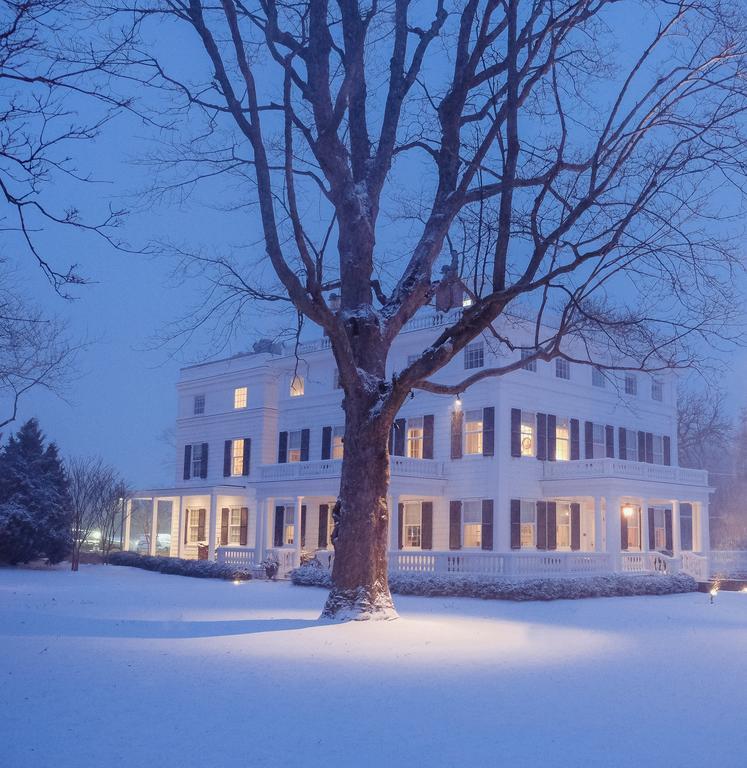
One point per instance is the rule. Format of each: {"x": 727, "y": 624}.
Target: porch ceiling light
{"x": 458, "y": 402}
{"x": 628, "y": 510}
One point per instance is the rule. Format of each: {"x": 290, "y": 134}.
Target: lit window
{"x": 338, "y": 435}
{"x": 597, "y": 377}
{"x": 240, "y": 397}
{"x": 294, "y": 446}
{"x": 196, "y": 459}
{"x": 199, "y": 405}
{"x": 472, "y": 524}
{"x": 237, "y": 458}
{"x": 289, "y": 522}
{"x": 474, "y": 355}
{"x": 528, "y": 430}
{"x": 473, "y": 432}
{"x": 412, "y": 525}
{"x": 194, "y": 525}
{"x": 562, "y": 368}
{"x": 658, "y": 447}
{"x": 600, "y": 442}
{"x": 562, "y": 440}
{"x": 631, "y": 445}
{"x": 631, "y": 384}
{"x": 563, "y": 525}
{"x": 234, "y": 526}
{"x": 657, "y": 390}
{"x": 297, "y": 386}
{"x": 467, "y": 302}
{"x": 415, "y": 438}
{"x": 632, "y": 516}
{"x": 528, "y": 520}
{"x": 530, "y": 365}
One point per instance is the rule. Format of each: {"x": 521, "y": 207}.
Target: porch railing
{"x": 299, "y": 470}
{"x": 633, "y": 470}
{"x": 696, "y": 565}
{"x": 238, "y": 556}
{"x": 647, "y": 562}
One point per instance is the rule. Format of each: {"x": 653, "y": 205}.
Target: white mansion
{"x": 553, "y": 469}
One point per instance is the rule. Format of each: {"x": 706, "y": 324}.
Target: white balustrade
{"x": 633, "y": 470}
{"x": 238, "y": 556}
{"x": 648, "y": 562}
{"x": 695, "y": 565}
{"x": 400, "y": 465}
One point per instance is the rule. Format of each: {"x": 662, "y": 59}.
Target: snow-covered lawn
{"x": 121, "y": 667}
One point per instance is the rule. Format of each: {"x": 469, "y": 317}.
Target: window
{"x": 467, "y": 302}
{"x": 234, "y": 526}
{"x": 563, "y": 524}
{"x": 474, "y": 355}
{"x": 597, "y": 377}
{"x": 196, "y": 459}
{"x": 658, "y": 444}
{"x": 528, "y": 429}
{"x": 472, "y": 524}
{"x": 338, "y": 435}
{"x": 657, "y": 390}
{"x": 412, "y": 525}
{"x": 600, "y": 443}
{"x": 660, "y": 529}
{"x": 528, "y": 521}
{"x": 296, "y": 386}
{"x": 532, "y": 364}
{"x": 294, "y": 446}
{"x": 473, "y": 432}
{"x": 633, "y": 516}
{"x": 194, "y": 525}
{"x": 631, "y": 445}
{"x": 289, "y": 525}
{"x": 631, "y": 384}
{"x": 336, "y": 380}
{"x": 562, "y": 368}
{"x": 237, "y": 458}
{"x": 562, "y": 440}
{"x": 239, "y": 397}
{"x": 415, "y": 438}
{"x": 198, "y": 407}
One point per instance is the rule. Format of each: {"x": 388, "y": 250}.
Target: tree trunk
{"x": 360, "y": 585}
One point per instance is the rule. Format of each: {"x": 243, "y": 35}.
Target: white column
{"x": 212, "y": 526}
{"x": 704, "y": 535}
{"x": 127, "y": 522}
{"x": 153, "y": 526}
{"x": 180, "y": 529}
{"x": 645, "y": 504}
{"x": 270, "y": 524}
{"x": 297, "y": 529}
{"x": 676, "y": 533}
{"x": 259, "y": 548}
{"x": 612, "y": 510}
{"x": 598, "y": 526}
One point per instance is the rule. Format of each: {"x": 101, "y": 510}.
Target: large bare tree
{"x": 563, "y": 158}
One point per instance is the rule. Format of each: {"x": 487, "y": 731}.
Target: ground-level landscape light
{"x": 713, "y": 593}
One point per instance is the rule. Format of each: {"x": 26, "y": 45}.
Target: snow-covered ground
{"x": 121, "y": 667}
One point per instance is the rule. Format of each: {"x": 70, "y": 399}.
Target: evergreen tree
{"x": 33, "y": 481}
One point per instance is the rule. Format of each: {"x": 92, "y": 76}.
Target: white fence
{"x": 728, "y": 564}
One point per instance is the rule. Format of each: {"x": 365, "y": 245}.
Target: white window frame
{"x": 528, "y": 434}
{"x": 563, "y": 525}
{"x": 412, "y": 525}
{"x": 297, "y": 386}
{"x": 562, "y": 439}
{"x": 631, "y": 384}
{"x": 474, "y": 355}
{"x": 657, "y": 390}
{"x": 473, "y": 432}
{"x": 294, "y": 446}
{"x": 531, "y": 365}
{"x": 599, "y": 441}
{"x": 199, "y": 400}
{"x": 631, "y": 445}
{"x": 472, "y": 524}
{"x": 415, "y": 438}
{"x": 196, "y": 459}
{"x": 658, "y": 449}
{"x": 634, "y": 524}
{"x": 528, "y": 524}
{"x": 338, "y": 446}
{"x": 289, "y": 525}
{"x": 562, "y": 369}
{"x": 234, "y": 526}
{"x": 194, "y": 526}
{"x": 240, "y": 398}
{"x": 597, "y": 377}
{"x": 237, "y": 458}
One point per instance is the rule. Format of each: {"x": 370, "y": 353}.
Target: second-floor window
{"x": 338, "y": 435}
{"x": 198, "y": 406}
{"x": 562, "y": 440}
{"x": 599, "y": 441}
{"x": 294, "y": 446}
{"x": 631, "y": 384}
{"x": 474, "y": 355}
{"x": 529, "y": 365}
{"x": 240, "y": 396}
{"x": 415, "y": 438}
{"x": 196, "y": 459}
{"x": 631, "y": 445}
{"x": 297, "y": 386}
{"x": 237, "y": 457}
{"x": 658, "y": 446}
{"x": 597, "y": 377}
{"x": 528, "y": 432}
{"x": 657, "y": 390}
{"x": 472, "y": 524}
{"x": 472, "y": 432}
{"x": 562, "y": 368}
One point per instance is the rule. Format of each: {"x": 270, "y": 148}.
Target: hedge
{"x": 199, "y": 569}
{"x": 486, "y": 588}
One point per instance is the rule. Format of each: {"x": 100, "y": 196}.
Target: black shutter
{"x": 487, "y": 524}
{"x": 201, "y": 535}
{"x": 187, "y": 462}
{"x": 552, "y": 525}
{"x": 651, "y": 529}
{"x": 575, "y": 526}
{"x": 305, "y": 444}
{"x": 515, "y": 432}
{"x": 204, "y": 462}
{"x": 400, "y": 525}
{"x": 303, "y": 526}
{"x": 588, "y": 440}
{"x": 667, "y": 450}
{"x": 551, "y": 435}
{"x": 649, "y": 448}
{"x": 641, "y": 446}
{"x": 455, "y": 525}
{"x": 575, "y": 447}
{"x": 400, "y": 429}
{"x": 244, "y": 526}
{"x": 224, "y": 513}
{"x": 326, "y": 443}
{"x": 426, "y": 522}
{"x": 279, "y": 525}
{"x": 457, "y": 417}
{"x": 686, "y": 526}
{"x": 622, "y": 446}
{"x": 623, "y": 529}
{"x": 541, "y": 525}
{"x": 282, "y": 447}
{"x": 609, "y": 441}
{"x": 186, "y": 526}
{"x": 488, "y": 431}
{"x": 227, "y": 458}
{"x": 428, "y": 436}
{"x": 246, "y": 463}
{"x": 668, "y": 533}
{"x": 515, "y": 524}
{"x": 323, "y": 526}
{"x": 541, "y": 436}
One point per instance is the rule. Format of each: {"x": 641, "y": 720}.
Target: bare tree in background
{"x": 566, "y": 179}
{"x": 704, "y": 431}
{"x": 112, "y": 518}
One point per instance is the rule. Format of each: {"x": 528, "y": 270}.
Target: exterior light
{"x": 458, "y": 402}
{"x": 628, "y": 510}
{"x": 237, "y": 581}
{"x": 713, "y": 592}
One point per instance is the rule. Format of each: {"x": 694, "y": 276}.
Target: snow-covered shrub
{"x": 271, "y": 566}
{"x": 200, "y": 569}
{"x": 488, "y": 588}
